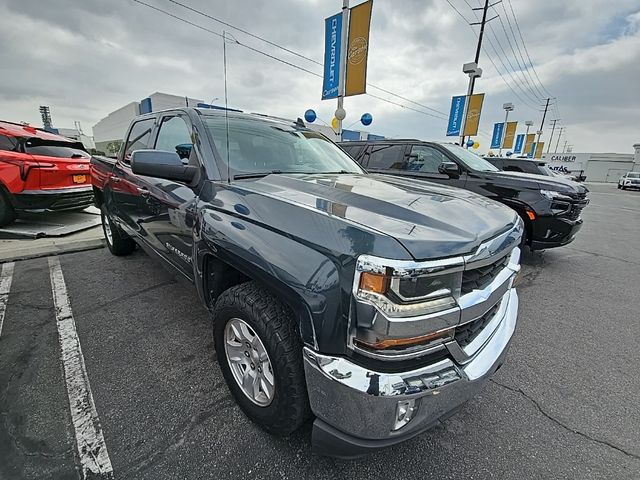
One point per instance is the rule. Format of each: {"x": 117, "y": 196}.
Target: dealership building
{"x": 597, "y": 167}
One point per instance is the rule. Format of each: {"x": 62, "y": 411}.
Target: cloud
{"x": 85, "y": 58}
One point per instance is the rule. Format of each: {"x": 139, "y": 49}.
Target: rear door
{"x": 123, "y": 190}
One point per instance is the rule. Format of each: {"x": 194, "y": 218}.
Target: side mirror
{"x": 449, "y": 168}
{"x": 162, "y": 164}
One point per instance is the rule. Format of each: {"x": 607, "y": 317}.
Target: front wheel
{"x": 259, "y": 350}
{"x": 118, "y": 242}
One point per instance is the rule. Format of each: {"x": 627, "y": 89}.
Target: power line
{"x": 288, "y": 50}
{"x": 273, "y": 57}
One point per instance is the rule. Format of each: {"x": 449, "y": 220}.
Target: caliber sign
{"x": 332, "y": 36}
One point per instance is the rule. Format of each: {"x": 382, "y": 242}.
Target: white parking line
{"x": 5, "y": 286}
{"x": 92, "y": 450}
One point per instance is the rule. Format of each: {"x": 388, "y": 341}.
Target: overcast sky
{"x": 85, "y": 58}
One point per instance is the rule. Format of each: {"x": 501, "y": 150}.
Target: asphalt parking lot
{"x": 565, "y": 405}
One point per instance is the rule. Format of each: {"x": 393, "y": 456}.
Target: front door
{"x": 168, "y": 208}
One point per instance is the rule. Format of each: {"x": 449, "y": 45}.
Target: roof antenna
{"x": 226, "y": 104}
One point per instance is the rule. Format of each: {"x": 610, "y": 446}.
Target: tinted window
{"x": 424, "y": 159}
{"x": 138, "y": 137}
{"x": 512, "y": 168}
{"x": 352, "y": 150}
{"x": 52, "y": 148}
{"x": 386, "y": 157}
{"x": 7, "y": 143}
{"x": 174, "y": 136}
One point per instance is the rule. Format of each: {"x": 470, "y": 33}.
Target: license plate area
{"x": 79, "y": 179}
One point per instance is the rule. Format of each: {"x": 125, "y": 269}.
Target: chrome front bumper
{"x": 356, "y": 408}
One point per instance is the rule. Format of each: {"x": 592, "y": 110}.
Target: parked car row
{"x": 550, "y": 207}
{"x": 41, "y": 172}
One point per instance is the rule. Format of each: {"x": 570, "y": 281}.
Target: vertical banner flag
{"x": 528, "y": 144}
{"x": 539, "y": 149}
{"x": 509, "y": 133}
{"x": 332, "y": 36}
{"x": 519, "y": 142}
{"x": 496, "y": 138}
{"x": 358, "y": 49}
{"x": 473, "y": 114}
{"x": 455, "y": 115}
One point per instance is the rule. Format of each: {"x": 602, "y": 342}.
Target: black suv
{"x": 549, "y": 206}
{"x": 529, "y": 165}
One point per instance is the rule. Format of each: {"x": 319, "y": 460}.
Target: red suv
{"x": 41, "y": 172}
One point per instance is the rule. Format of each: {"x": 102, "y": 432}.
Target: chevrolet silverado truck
{"x": 41, "y": 172}
{"x": 375, "y": 305}
{"x": 550, "y": 207}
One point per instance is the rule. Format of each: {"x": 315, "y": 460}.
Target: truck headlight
{"x": 402, "y": 290}
{"x": 555, "y": 195}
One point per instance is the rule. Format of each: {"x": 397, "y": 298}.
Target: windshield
{"x": 260, "y": 147}
{"x": 471, "y": 160}
{"x": 633, "y": 175}
{"x": 51, "y": 148}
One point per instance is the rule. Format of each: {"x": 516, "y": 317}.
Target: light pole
{"x": 558, "y": 142}
{"x": 508, "y": 107}
{"x": 474, "y": 72}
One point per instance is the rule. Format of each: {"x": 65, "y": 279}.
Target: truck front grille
{"x": 478, "y": 278}
{"x": 465, "y": 334}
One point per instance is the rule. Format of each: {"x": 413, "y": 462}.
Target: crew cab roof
{"x": 19, "y": 130}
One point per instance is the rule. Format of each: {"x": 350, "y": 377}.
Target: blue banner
{"x": 455, "y": 115}
{"x": 519, "y": 143}
{"x": 496, "y": 138}
{"x": 332, "y": 43}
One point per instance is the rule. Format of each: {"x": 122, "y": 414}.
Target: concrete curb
{"x": 27, "y": 252}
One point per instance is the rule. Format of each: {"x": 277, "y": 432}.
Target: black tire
{"x": 623, "y": 187}
{"x": 118, "y": 242}
{"x": 619, "y": 187}
{"x": 7, "y": 213}
{"x": 274, "y": 324}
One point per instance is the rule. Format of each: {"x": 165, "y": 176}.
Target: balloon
{"x": 310, "y": 116}
{"x": 470, "y": 143}
{"x": 476, "y": 145}
{"x": 366, "y": 119}
{"x": 334, "y": 123}
{"x": 341, "y": 113}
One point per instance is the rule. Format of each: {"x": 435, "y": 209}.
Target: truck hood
{"x": 545, "y": 182}
{"x": 429, "y": 220}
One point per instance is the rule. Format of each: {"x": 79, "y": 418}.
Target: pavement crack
{"x": 128, "y": 296}
{"x": 178, "y": 439}
{"x": 563, "y": 425}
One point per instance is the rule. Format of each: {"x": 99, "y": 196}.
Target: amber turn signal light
{"x": 405, "y": 342}
{"x": 531, "y": 214}
{"x": 374, "y": 282}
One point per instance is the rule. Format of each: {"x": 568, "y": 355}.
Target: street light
{"x": 508, "y": 107}
{"x": 474, "y": 72}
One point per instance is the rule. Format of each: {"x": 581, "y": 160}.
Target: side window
{"x": 7, "y": 143}
{"x": 513, "y": 168}
{"x": 424, "y": 159}
{"x": 386, "y": 157}
{"x": 175, "y": 136}
{"x": 352, "y": 150}
{"x": 138, "y": 137}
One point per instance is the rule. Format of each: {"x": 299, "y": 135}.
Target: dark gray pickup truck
{"x": 377, "y": 305}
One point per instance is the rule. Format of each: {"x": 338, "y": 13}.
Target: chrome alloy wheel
{"x": 249, "y": 362}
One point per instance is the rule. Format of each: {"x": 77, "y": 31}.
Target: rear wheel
{"x": 259, "y": 350}
{"x": 7, "y": 213}
{"x": 118, "y": 242}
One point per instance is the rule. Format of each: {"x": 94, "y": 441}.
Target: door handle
{"x": 143, "y": 191}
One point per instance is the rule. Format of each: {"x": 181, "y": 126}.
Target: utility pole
{"x": 564, "y": 149}
{"x": 558, "y": 142}
{"x": 472, "y": 77}
{"x": 544, "y": 115}
{"x": 553, "y": 129}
